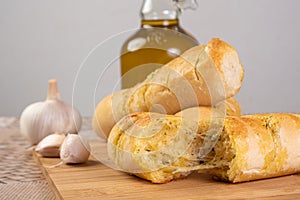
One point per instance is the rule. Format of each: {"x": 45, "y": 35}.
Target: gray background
{"x": 50, "y": 39}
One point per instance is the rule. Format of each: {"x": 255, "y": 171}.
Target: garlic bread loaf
{"x": 202, "y": 76}
{"x": 161, "y": 148}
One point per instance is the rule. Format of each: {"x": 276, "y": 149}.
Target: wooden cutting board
{"x": 94, "y": 180}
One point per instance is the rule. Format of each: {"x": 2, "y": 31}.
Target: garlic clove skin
{"x": 74, "y": 150}
{"x": 41, "y": 119}
{"x": 50, "y": 145}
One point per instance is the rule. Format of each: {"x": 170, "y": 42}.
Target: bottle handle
{"x": 186, "y": 4}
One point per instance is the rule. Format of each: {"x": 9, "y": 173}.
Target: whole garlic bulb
{"x": 53, "y": 115}
{"x": 74, "y": 150}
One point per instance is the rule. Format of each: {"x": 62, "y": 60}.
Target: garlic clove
{"x": 53, "y": 115}
{"x": 74, "y": 150}
{"x": 50, "y": 145}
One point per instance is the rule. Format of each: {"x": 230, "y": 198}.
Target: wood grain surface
{"x": 94, "y": 180}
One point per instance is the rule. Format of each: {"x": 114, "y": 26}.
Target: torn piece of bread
{"x": 264, "y": 146}
{"x": 162, "y": 148}
{"x": 203, "y": 75}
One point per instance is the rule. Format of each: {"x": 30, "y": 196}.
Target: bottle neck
{"x": 173, "y": 23}
{"x": 159, "y": 10}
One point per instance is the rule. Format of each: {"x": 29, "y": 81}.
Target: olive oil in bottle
{"x": 159, "y": 40}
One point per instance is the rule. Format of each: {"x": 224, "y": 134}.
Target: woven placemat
{"x": 17, "y": 164}
{"x": 26, "y": 190}
{"x": 20, "y": 177}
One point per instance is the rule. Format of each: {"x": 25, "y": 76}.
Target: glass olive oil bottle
{"x": 159, "y": 40}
